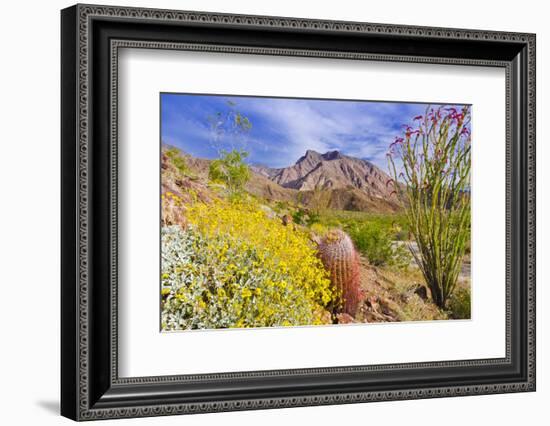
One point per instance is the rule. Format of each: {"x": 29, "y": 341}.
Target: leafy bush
{"x": 393, "y": 222}
{"x": 373, "y": 242}
{"x": 402, "y": 257}
{"x": 231, "y": 170}
{"x": 401, "y": 235}
{"x": 298, "y": 216}
{"x": 178, "y": 160}
{"x": 460, "y": 304}
{"x": 235, "y": 267}
{"x": 305, "y": 217}
{"x": 313, "y": 218}
{"x": 281, "y": 206}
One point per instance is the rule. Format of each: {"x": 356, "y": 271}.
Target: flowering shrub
{"x": 435, "y": 157}
{"x": 232, "y": 266}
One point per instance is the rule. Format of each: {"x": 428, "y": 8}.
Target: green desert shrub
{"x": 401, "y": 258}
{"x": 401, "y": 235}
{"x": 178, "y": 160}
{"x": 298, "y": 216}
{"x": 231, "y": 170}
{"x": 281, "y": 206}
{"x": 305, "y": 217}
{"x": 460, "y": 304}
{"x": 373, "y": 241}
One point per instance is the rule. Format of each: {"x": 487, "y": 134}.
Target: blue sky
{"x": 283, "y": 129}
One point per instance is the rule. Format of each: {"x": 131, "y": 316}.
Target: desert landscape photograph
{"x": 281, "y": 212}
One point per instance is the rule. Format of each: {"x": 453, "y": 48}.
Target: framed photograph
{"x": 263, "y": 212}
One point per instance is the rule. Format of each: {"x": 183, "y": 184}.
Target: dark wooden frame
{"x": 91, "y": 37}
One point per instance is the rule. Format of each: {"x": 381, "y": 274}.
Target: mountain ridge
{"x": 332, "y": 170}
{"x": 319, "y": 180}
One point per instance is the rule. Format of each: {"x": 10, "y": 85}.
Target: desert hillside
{"x": 319, "y": 181}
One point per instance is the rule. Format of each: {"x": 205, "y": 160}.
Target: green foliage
{"x": 375, "y": 242}
{"x": 435, "y": 158}
{"x": 242, "y": 122}
{"x": 313, "y": 217}
{"x": 402, "y": 257}
{"x": 281, "y": 206}
{"x": 231, "y": 170}
{"x": 178, "y": 160}
{"x": 401, "y": 235}
{"x": 305, "y": 217}
{"x": 394, "y": 223}
{"x": 460, "y": 305}
{"x": 298, "y": 216}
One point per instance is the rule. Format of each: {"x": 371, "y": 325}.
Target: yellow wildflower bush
{"x": 232, "y": 266}
{"x": 282, "y": 248}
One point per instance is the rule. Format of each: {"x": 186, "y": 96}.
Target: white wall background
{"x": 29, "y": 211}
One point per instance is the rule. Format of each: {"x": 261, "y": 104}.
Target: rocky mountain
{"x": 333, "y": 171}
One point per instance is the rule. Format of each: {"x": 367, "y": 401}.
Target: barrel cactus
{"x": 340, "y": 258}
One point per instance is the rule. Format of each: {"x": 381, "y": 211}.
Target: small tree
{"x": 435, "y": 182}
{"x": 231, "y": 170}
{"x": 230, "y": 129}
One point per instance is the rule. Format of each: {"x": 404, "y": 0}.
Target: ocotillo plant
{"x": 340, "y": 258}
{"x": 430, "y": 163}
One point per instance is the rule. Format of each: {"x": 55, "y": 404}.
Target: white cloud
{"x": 363, "y": 130}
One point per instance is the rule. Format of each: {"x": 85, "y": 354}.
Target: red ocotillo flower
{"x": 451, "y": 110}
{"x": 396, "y": 142}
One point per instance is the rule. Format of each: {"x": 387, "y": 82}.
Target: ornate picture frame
{"x": 91, "y": 38}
